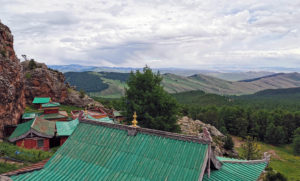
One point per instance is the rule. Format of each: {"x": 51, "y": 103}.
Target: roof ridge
{"x": 155, "y": 132}
{"x": 266, "y": 159}
{"x": 33, "y": 122}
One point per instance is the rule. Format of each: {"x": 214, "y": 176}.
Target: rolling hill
{"x": 112, "y": 84}
{"x": 230, "y": 75}
{"x": 288, "y": 98}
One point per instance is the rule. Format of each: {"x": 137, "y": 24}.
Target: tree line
{"x": 270, "y": 126}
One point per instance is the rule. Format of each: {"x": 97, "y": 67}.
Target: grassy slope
{"x": 282, "y": 158}
{"x": 28, "y": 156}
{"x": 111, "y": 84}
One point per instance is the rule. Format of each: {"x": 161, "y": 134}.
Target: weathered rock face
{"x": 194, "y": 127}
{"x": 12, "y": 97}
{"x": 43, "y": 82}
{"x": 75, "y": 99}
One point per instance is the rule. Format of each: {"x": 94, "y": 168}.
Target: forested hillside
{"x": 270, "y": 115}
{"x": 112, "y": 84}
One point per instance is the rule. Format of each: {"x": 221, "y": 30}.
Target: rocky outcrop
{"x": 12, "y": 97}
{"x": 40, "y": 81}
{"x": 194, "y": 127}
{"x": 43, "y": 82}
{"x": 74, "y": 98}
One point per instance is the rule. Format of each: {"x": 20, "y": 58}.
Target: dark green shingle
{"x": 51, "y": 104}
{"x": 21, "y": 129}
{"x": 242, "y": 171}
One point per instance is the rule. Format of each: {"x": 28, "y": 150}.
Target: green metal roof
{"x": 229, "y": 159}
{"x": 116, "y": 113}
{"x": 105, "y": 119}
{"x": 21, "y": 129}
{"x": 97, "y": 152}
{"x": 30, "y": 115}
{"x": 44, "y": 127}
{"x": 37, "y": 125}
{"x": 51, "y": 104}
{"x": 66, "y": 128}
{"x": 41, "y": 100}
{"x": 236, "y": 171}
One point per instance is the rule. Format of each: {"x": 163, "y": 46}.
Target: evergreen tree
{"x": 32, "y": 65}
{"x": 155, "y": 107}
{"x": 250, "y": 149}
{"x": 228, "y": 142}
{"x": 275, "y": 134}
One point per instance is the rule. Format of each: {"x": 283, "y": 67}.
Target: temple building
{"x": 104, "y": 151}
{"x": 96, "y": 113}
{"x": 38, "y": 101}
{"x": 34, "y": 134}
{"x": 52, "y": 112}
{"x": 65, "y": 129}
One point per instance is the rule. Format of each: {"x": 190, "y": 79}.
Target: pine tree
{"x": 274, "y": 134}
{"x": 155, "y": 108}
{"x": 250, "y": 149}
{"x": 228, "y": 142}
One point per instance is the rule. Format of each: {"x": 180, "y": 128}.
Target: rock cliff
{"x": 40, "y": 81}
{"x": 43, "y": 82}
{"x": 194, "y": 127}
{"x": 12, "y": 92}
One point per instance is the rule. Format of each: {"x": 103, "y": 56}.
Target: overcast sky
{"x": 161, "y": 33}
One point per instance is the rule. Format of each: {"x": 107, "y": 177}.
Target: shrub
{"x": 228, "y": 143}
{"x": 32, "y": 65}
{"x": 81, "y": 93}
{"x": 273, "y": 175}
{"x": 26, "y": 155}
{"x": 27, "y": 75}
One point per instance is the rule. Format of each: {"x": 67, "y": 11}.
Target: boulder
{"x": 194, "y": 127}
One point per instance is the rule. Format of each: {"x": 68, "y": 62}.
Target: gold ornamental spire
{"x": 134, "y": 121}
{"x": 86, "y": 112}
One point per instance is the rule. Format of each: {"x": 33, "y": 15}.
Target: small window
{"x": 40, "y": 143}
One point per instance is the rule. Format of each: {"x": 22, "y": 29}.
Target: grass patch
{"x": 69, "y": 108}
{"x": 29, "y": 109}
{"x": 7, "y": 167}
{"x": 282, "y": 159}
{"x": 22, "y": 154}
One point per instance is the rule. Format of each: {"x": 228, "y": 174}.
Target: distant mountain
{"x": 228, "y": 75}
{"x": 237, "y": 76}
{"x": 112, "y": 84}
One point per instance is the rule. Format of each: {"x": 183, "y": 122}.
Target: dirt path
{"x": 237, "y": 141}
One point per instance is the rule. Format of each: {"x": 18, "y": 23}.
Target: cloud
{"x": 160, "y": 33}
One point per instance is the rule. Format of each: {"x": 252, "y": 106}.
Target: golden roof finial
{"x": 134, "y": 121}
{"x": 86, "y": 112}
